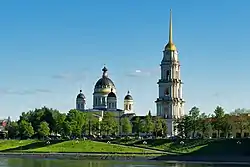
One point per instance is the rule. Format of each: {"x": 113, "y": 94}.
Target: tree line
{"x": 43, "y": 122}
{"x": 197, "y": 124}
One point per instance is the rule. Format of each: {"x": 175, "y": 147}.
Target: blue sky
{"x": 51, "y": 49}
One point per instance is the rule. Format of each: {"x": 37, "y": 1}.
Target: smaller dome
{"x": 170, "y": 46}
{"x": 80, "y": 95}
{"x": 128, "y": 97}
{"x": 111, "y": 94}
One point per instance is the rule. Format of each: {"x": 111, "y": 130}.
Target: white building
{"x": 170, "y": 103}
{"x": 105, "y": 99}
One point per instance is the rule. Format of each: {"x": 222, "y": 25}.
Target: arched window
{"x": 129, "y": 106}
{"x": 168, "y": 75}
{"x": 167, "y": 92}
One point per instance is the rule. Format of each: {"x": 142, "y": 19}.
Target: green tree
{"x": 47, "y": 116}
{"x": 158, "y": 127}
{"x": 36, "y": 116}
{"x": 218, "y": 119}
{"x": 13, "y": 130}
{"x": 67, "y": 129}
{"x": 59, "y": 120}
{"x": 149, "y": 113}
{"x": 136, "y": 125}
{"x": 149, "y": 125}
{"x": 205, "y": 124}
{"x": 241, "y": 123}
{"x": 76, "y": 120}
{"x": 76, "y": 129}
{"x": 25, "y": 129}
{"x": 184, "y": 126}
{"x": 164, "y": 127}
{"x": 109, "y": 124}
{"x": 194, "y": 119}
{"x": 91, "y": 125}
{"x": 126, "y": 126}
{"x": 226, "y": 125}
{"x": 142, "y": 126}
{"x": 44, "y": 130}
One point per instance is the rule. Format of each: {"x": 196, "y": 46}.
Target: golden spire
{"x": 170, "y": 46}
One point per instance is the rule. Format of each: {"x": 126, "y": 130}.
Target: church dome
{"x": 170, "y": 47}
{"x": 128, "y": 97}
{"x": 111, "y": 94}
{"x": 80, "y": 95}
{"x": 104, "y": 82}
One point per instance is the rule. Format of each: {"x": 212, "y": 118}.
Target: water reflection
{"x": 21, "y": 162}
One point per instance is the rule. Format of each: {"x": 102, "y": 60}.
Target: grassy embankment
{"x": 191, "y": 147}
{"x": 36, "y": 146}
{"x": 195, "y": 146}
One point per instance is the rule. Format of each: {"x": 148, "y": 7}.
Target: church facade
{"x": 105, "y": 99}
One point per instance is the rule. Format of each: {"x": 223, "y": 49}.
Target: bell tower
{"x": 170, "y": 104}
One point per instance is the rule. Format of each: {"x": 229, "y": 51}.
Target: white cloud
{"x": 143, "y": 73}
{"x": 137, "y": 71}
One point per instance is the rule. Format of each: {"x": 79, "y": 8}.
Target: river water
{"x": 22, "y": 162}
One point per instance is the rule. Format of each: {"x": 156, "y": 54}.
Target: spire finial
{"x": 104, "y": 71}
{"x": 111, "y": 89}
{"x": 80, "y": 90}
{"x": 170, "y": 28}
{"x": 170, "y": 46}
{"x": 128, "y": 92}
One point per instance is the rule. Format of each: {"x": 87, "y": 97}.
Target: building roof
{"x": 128, "y": 96}
{"x": 104, "y": 82}
{"x": 111, "y": 94}
{"x": 80, "y": 95}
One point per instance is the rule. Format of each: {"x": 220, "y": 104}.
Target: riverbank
{"x": 199, "y": 147}
{"x": 135, "y": 157}
{"x": 69, "y": 146}
{"x": 82, "y": 156}
{"x": 204, "y": 159}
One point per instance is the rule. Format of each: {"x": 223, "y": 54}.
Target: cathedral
{"x": 105, "y": 99}
{"x": 169, "y": 104}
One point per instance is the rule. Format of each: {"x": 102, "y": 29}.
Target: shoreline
{"x": 80, "y": 156}
{"x": 243, "y": 160}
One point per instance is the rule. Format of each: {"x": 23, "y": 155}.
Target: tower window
{"x": 167, "y": 92}
{"x": 168, "y": 75}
